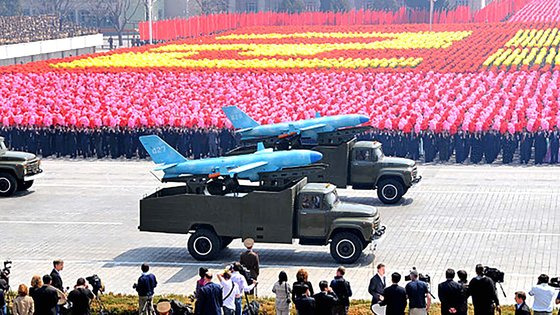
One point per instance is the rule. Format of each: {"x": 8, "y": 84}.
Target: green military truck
{"x": 311, "y": 213}
{"x": 362, "y": 165}
{"x": 18, "y": 170}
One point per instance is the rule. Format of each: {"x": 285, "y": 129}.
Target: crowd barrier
{"x": 497, "y": 11}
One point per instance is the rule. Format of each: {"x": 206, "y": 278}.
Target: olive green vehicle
{"x": 362, "y": 165}
{"x": 18, "y": 170}
{"x": 311, "y": 213}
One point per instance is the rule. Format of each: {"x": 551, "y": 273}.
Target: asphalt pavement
{"x": 86, "y": 212}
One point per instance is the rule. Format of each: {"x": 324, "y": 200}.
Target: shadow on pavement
{"x": 374, "y": 201}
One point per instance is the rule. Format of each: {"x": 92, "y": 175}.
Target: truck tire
{"x": 346, "y": 247}
{"x": 390, "y": 191}
{"x": 204, "y": 244}
{"x": 25, "y": 185}
{"x": 8, "y": 185}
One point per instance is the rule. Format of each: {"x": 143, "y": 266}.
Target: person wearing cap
{"x": 249, "y": 259}
{"x": 80, "y": 298}
{"x": 163, "y": 308}
{"x": 418, "y": 294}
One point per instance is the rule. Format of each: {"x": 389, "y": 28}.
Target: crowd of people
{"x": 24, "y": 29}
{"x": 224, "y": 293}
{"x": 462, "y": 147}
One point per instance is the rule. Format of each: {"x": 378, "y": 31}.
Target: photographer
{"x": 419, "y": 299}
{"x": 145, "y": 288}
{"x": 229, "y": 291}
{"x": 46, "y": 298}
{"x": 450, "y": 294}
{"x": 80, "y": 298}
{"x": 483, "y": 292}
{"x": 544, "y": 296}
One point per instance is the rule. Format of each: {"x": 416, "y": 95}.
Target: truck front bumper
{"x": 416, "y": 180}
{"x": 377, "y": 237}
{"x": 35, "y": 176}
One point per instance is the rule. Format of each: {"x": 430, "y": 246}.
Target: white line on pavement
{"x": 61, "y": 223}
{"x": 485, "y": 232}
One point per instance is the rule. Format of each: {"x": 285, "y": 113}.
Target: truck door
{"x": 362, "y": 166}
{"x": 311, "y": 216}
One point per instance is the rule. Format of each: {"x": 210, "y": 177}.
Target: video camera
{"x": 555, "y": 282}
{"x": 96, "y": 284}
{"x": 494, "y": 273}
{"x": 5, "y": 275}
{"x": 422, "y": 277}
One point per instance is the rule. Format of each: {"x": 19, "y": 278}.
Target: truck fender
{"x": 390, "y": 174}
{"x": 17, "y": 172}
{"x": 197, "y": 226}
{"x": 349, "y": 227}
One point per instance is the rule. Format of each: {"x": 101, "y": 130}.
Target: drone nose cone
{"x": 315, "y": 156}
{"x": 363, "y": 119}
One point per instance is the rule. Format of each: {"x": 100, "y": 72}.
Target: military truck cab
{"x": 18, "y": 170}
{"x": 311, "y": 213}
{"x": 362, "y": 165}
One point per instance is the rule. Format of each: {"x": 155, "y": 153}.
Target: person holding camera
{"x": 244, "y": 287}
{"x": 210, "y": 297}
{"x": 145, "y": 287}
{"x": 343, "y": 291}
{"x": 543, "y": 295}
{"x": 80, "y": 298}
{"x": 418, "y": 293}
{"x": 394, "y": 297}
{"x": 326, "y": 300}
{"x": 282, "y": 291}
{"x": 229, "y": 291}
{"x": 521, "y": 307}
{"x": 483, "y": 292}
{"x": 450, "y": 294}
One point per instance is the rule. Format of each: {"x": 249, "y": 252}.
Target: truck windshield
{"x": 378, "y": 154}
{"x": 332, "y": 198}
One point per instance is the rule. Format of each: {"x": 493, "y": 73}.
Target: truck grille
{"x": 415, "y": 172}
{"x": 377, "y": 223}
{"x": 33, "y": 167}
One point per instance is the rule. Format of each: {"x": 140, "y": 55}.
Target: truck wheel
{"x": 204, "y": 244}
{"x": 25, "y": 185}
{"x": 8, "y": 185}
{"x": 390, "y": 191}
{"x": 346, "y": 248}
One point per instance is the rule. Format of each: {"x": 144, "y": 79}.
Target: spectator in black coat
{"x": 342, "y": 289}
{"x": 525, "y": 147}
{"x": 45, "y": 298}
{"x": 80, "y": 298}
{"x": 521, "y": 307}
{"x": 58, "y": 265}
{"x": 326, "y": 300}
{"x": 483, "y": 292}
{"x": 377, "y": 284}
{"x": 209, "y": 297}
{"x": 554, "y": 141}
{"x": 540, "y": 146}
{"x": 450, "y": 294}
{"x": 302, "y": 285}
{"x": 305, "y": 305}
{"x": 394, "y": 297}
{"x": 464, "y": 307}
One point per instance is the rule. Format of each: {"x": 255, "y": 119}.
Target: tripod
{"x": 148, "y": 308}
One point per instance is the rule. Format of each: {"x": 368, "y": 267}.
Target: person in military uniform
{"x": 554, "y": 141}
{"x": 525, "y": 147}
{"x": 540, "y": 146}
{"x": 249, "y": 259}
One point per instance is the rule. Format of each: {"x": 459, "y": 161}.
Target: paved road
{"x": 86, "y": 212}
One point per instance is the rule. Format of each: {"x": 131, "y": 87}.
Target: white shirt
{"x": 229, "y": 302}
{"x": 238, "y": 279}
{"x": 544, "y": 297}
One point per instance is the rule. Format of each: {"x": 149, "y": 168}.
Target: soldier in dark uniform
{"x": 554, "y": 141}
{"x": 212, "y": 142}
{"x": 540, "y": 146}
{"x": 32, "y": 139}
{"x": 59, "y": 142}
{"x": 141, "y": 151}
{"x": 462, "y": 146}
{"x": 443, "y": 146}
{"x": 509, "y": 145}
{"x": 430, "y": 150}
{"x": 414, "y": 146}
{"x": 525, "y": 147}
{"x": 488, "y": 143}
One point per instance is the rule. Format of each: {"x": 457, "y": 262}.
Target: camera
{"x": 555, "y": 282}
{"x": 493, "y": 273}
{"x": 96, "y": 284}
{"x": 422, "y": 277}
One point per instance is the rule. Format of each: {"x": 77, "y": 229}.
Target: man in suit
{"x": 464, "y": 306}
{"x": 377, "y": 285}
{"x": 45, "y": 298}
{"x": 394, "y": 297}
{"x": 58, "y": 265}
{"x": 249, "y": 259}
{"x": 521, "y": 307}
{"x": 343, "y": 291}
{"x": 209, "y": 297}
{"x": 483, "y": 292}
{"x": 450, "y": 293}
{"x": 325, "y": 300}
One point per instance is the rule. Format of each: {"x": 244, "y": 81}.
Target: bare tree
{"x": 120, "y": 12}
{"x": 212, "y": 6}
{"x": 98, "y": 10}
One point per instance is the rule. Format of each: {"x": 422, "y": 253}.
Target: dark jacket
{"x": 45, "y": 299}
{"x": 376, "y": 287}
{"x": 305, "y": 305}
{"x": 209, "y": 300}
{"x": 146, "y": 285}
{"x": 450, "y": 294}
{"x": 80, "y": 298}
{"x": 250, "y": 260}
{"x": 325, "y": 302}
{"x": 342, "y": 289}
{"x": 523, "y": 309}
{"x": 394, "y": 297}
{"x": 484, "y": 295}
{"x": 299, "y": 289}
{"x": 56, "y": 280}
